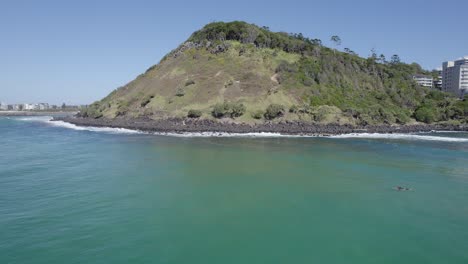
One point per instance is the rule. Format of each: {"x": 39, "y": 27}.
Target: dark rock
{"x": 181, "y": 125}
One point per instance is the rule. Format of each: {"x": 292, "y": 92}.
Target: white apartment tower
{"x": 455, "y": 76}
{"x": 424, "y": 80}
{"x": 3, "y": 106}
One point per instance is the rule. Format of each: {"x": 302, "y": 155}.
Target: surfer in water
{"x": 400, "y": 188}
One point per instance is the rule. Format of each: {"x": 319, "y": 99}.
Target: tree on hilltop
{"x": 317, "y": 42}
{"x": 395, "y": 59}
{"x": 382, "y": 59}
{"x": 336, "y": 40}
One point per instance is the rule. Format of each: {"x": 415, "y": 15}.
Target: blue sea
{"x": 100, "y": 195}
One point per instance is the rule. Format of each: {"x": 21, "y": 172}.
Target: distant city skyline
{"x": 35, "y": 106}
{"x": 33, "y": 102}
{"x": 10, "y": 103}
{"x": 78, "y": 52}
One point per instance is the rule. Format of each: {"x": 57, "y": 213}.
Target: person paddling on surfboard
{"x": 400, "y": 188}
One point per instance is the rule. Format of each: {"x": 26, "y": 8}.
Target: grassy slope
{"x": 225, "y": 76}
{"x": 308, "y": 78}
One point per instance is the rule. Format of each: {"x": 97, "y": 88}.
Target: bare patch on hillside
{"x": 274, "y": 78}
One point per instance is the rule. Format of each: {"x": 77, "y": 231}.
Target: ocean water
{"x": 99, "y": 195}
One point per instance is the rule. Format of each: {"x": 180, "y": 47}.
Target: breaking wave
{"x": 238, "y": 135}
{"x": 402, "y": 137}
{"x": 48, "y": 120}
{"x": 422, "y": 136}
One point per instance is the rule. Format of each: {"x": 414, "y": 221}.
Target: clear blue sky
{"x": 78, "y": 51}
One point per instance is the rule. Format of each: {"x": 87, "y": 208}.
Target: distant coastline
{"x": 187, "y": 125}
{"x": 39, "y": 113}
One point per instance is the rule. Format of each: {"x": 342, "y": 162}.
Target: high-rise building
{"x": 455, "y": 76}
{"x": 3, "y": 106}
{"x": 424, "y": 80}
{"x": 30, "y": 107}
{"x": 43, "y": 106}
{"x": 18, "y": 107}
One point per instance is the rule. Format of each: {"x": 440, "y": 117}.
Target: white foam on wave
{"x": 236, "y": 135}
{"x": 34, "y": 118}
{"x": 445, "y": 131}
{"x": 401, "y": 136}
{"x": 48, "y": 120}
{"x": 94, "y": 129}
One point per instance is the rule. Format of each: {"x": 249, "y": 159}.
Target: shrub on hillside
{"x": 194, "y": 113}
{"x": 273, "y": 111}
{"x": 401, "y": 118}
{"x": 285, "y": 66}
{"x": 386, "y": 116}
{"x": 121, "y": 111}
{"x": 304, "y": 109}
{"x": 228, "y": 83}
{"x": 146, "y": 100}
{"x": 294, "y": 109}
{"x": 462, "y": 106}
{"x": 180, "y": 92}
{"x": 189, "y": 82}
{"x": 436, "y": 95}
{"x": 92, "y": 111}
{"x": 237, "y": 109}
{"x": 227, "y": 109}
{"x": 258, "y": 114}
{"x": 426, "y": 114}
{"x": 326, "y": 113}
{"x": 123, "y": 108}
{"x": 220, "y": 110}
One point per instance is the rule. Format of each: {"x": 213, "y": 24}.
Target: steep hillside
{"x": 243, "y": 73}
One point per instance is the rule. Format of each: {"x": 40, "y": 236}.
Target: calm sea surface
{"x": 111, "y": 196}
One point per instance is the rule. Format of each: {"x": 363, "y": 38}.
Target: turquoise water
{"x": 79, "y": 196}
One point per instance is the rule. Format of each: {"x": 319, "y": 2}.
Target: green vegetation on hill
{"x": 245, "y": 33}
{"x": 247, "y": 73}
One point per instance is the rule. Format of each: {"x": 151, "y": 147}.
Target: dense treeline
{"x": 369, "y": 91}
{"x": 261, "y": 37}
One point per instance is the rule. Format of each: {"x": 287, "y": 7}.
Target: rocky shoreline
{"x": 187, "y": 125}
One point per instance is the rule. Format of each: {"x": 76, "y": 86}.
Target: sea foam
{"x": 236, "y": 135}
{"x": 401, "y": 137}
{"x": 48, "y": 120}
{"x": 396, "y": 136}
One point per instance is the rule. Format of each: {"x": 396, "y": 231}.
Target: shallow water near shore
{"x": 102, "y": 195}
